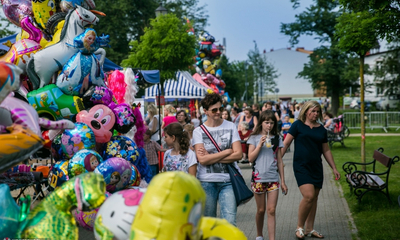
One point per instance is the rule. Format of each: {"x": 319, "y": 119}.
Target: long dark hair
{"x": 265, "y": 116}
{"x": 176, "y": 129}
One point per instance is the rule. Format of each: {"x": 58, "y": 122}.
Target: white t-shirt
{"x": 156, "y": 136}
{"x": 179, "y": 162}
{"x": 224, "y": 135}
{"x": 265, "y": 167}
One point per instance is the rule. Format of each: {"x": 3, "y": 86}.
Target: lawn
{"x": 374, "y": 217}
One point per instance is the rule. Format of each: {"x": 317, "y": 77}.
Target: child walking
{"x": 179, "y": 157}
{"x": 151, "y": 148}
{"x": 265, "y": 154}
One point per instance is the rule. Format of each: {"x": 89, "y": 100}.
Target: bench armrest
{"x": 350, "y": 167}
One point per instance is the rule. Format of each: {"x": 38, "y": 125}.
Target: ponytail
{"x": 176, "y": 129}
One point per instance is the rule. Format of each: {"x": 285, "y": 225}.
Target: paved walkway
{"x": 333, "y": 218}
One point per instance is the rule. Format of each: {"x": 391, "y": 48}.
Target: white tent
{"x": 185, "y": 86}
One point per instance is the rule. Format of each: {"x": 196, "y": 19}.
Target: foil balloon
{"x": 52, "y": 217}
{"x": 52, "y": 103}
{"x": 125, "y": 118}
{"x": 17, "y": 145}
{"x": 135, "y": 179}
{"x": 217, "y": 228}
{"x": 9, "y": 79}
{"x": 83, "y": 69}
{"x": 115, "y": 216}
{"x": 58, "y": 174}
{"x": 171, "y": 208}
{"x": 67, "y": 5}
{"x": 97, "y": 95}
{"x": 100, "y": 119}
{"x": 15, "y": 9}
{"x": 116, "y": 172}
{"x": 121, "y": 147}
{"x": 86, "y": 219}
{"x": 83, "y": 161}
{"x": 73, "y": 140}
{"x": 43, "y": 10}
{"x": 46, "y": 62}
{"x": 9, "y": 213}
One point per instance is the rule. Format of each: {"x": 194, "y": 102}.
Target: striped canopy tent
{"x": 184, "y": 87}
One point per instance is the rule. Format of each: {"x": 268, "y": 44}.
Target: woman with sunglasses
{"x": 212, "y": 170}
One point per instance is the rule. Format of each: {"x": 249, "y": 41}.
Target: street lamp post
{"x": 160, "y": 11}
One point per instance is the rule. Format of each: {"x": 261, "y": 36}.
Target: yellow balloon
{"x": 220, "y": 229}
{"x": 57, "y": 34}
{"x": 43, "y": 10}
{"x": 25, "y": 35}
{"x": 172, "y": 208}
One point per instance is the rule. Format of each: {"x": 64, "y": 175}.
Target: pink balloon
{"x": 14, "y": 8}
{"x": 100, "y": 119}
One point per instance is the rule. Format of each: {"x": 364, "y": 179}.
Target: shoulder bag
{"x": 240, "y": 189}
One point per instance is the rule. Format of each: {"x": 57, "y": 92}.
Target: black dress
{"x": 307, "y": 161}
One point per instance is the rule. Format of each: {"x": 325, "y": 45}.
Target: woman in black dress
{"x": 310, "y": 143}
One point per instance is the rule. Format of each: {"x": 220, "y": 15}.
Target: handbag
{"x": 240, "y": 189}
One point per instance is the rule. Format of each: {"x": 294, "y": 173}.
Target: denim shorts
{"x": 221, "y": 192}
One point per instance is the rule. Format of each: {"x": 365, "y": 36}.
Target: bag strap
{"x": 210, "y": 137}
{"x": 154, "y": 132}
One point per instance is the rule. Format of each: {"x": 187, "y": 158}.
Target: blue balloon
{"x": 122, "y": 147}
{"x": 73, "y": 140}
{"x": 9, "y": 213}
{"x": 83, "y": 161}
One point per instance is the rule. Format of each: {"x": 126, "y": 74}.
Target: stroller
{"x": 337, "y": 133}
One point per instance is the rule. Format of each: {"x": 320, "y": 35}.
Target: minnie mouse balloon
{"x": 117, "y": 173}
{"x": 73, "y": 140}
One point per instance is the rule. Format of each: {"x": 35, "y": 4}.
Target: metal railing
{"x": 373, "y": 120}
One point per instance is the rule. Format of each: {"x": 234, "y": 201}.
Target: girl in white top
{"x": 265, "y": 154}
{"x": 179, "y": 157}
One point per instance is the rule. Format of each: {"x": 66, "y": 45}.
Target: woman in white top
{"x": 212, "y": 170}
{"x": 155, "y": 123}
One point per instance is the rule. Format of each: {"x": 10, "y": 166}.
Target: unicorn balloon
{"x": 51, "y": 59}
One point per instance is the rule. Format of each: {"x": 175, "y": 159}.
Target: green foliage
{"x": 387, "y": 72}
{"x": 165, "y": 45}
{"x": 4, "y": 25}
{"x": 125, "y": 21}
{"x": 386, "y": 15}
{"x": 356, "y": 32}
{"x": 328, "y": 66}
{"x": 189, "y": 9}
{"x": 374, "y": 208}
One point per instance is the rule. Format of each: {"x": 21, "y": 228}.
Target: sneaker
{"x": 259, "y": 238}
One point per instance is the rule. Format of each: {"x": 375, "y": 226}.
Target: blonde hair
{"x": 304, "y": 110}
{"x": 170, "y": 108}
{"x": 189, "y": 128}
{"x": 152, "y": 109}
{"x": 85, "y": 44}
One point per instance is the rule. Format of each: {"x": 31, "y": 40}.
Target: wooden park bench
{"x": 361, "y": 182}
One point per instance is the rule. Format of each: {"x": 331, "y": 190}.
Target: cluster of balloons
{"x": 208, "y": 55}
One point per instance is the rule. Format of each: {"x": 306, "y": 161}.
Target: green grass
{"x": 375, "y": 130}
{"x": 374, "y": 217}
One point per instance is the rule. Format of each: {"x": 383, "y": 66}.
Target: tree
{"x": 165, "y": 45}
{"x": 264, "y": 72}
{"x": 197, "y": 15}
{"x": 126, "y": 20}
{"x": 319, "y": 20}
{"x": 356, "y": 33}
{"x": 4, "y": 27}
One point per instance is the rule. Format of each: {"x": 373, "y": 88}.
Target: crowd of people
{"x": 204, "y": 144}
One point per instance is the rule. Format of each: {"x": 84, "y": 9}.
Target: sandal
{"x": 301, "y": 233}
{"x": 315, "y": 234}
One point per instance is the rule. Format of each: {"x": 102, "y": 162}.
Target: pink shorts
{"x": 263, "y": 187}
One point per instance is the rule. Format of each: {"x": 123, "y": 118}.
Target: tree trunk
{"x": 335, "y": 101}
{"x": 362, "y": 110}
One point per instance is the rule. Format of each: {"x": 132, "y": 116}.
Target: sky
{"x": 241, "y": 22}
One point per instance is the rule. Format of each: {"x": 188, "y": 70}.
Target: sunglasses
{"x": 215, "y": 110}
